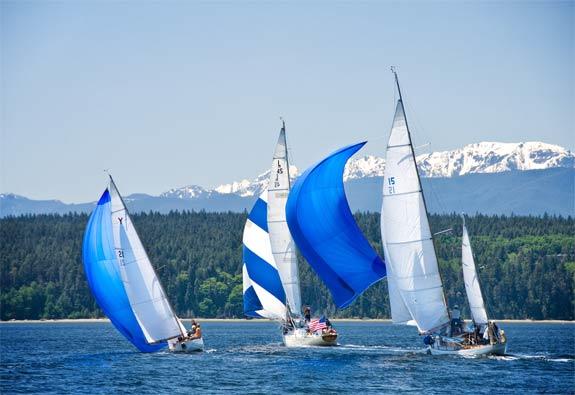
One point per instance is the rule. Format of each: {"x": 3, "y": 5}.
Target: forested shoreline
{"x": 526, "y": 265}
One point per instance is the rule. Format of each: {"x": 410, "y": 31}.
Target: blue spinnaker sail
{"x": 323, "y": 227}
{"x": 103, "y": 274}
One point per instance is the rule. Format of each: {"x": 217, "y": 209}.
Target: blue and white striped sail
{"x": 104, "y": 278}
{"x": 264, "y": 295}
{"x": 323, "y": 227}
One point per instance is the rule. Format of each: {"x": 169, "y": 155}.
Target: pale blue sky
{"x": 173, "y": 93}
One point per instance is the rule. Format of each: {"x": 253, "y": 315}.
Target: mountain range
{"x": 488, "y": 177}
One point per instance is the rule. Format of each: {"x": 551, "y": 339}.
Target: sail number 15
{"x": 391, "y": 184}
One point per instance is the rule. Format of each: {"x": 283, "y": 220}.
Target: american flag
{"x": 317, "y": 324}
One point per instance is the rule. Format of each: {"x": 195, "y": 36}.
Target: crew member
{"x": 198, "y": 332}
{"x": 307, "y": 314}
{"x": 455, "y": 320}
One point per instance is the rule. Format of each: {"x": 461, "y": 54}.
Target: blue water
{"x": 248, "y": 357}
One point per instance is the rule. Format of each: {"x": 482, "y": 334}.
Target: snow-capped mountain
{"x": 497, "y": 178}
{"x": 243, "y": 188}
{"x": 490, "y": 157}
{"x": 187, "y": 192}
{"x": 484, "y": 157}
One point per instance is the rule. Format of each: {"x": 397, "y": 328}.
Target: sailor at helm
{"x": 455, "y": 320}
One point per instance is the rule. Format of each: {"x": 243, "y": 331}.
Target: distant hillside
{"x": 532, "y": 192}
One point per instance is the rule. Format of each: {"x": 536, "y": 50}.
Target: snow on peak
{"x": 245, "y": 188}
{"x": 187, "y": 192}
{"x": 367, "y": 166}
{"x": 491, "y": 157}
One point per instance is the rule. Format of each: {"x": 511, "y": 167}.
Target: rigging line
{"x": 419, "y": 131}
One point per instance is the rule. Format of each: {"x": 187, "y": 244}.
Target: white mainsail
{"x": 399, "y": 312}
{"x": 409, "y": 251}
{"x": 283, "y": 246}
{"x": 145, "y": 293}
{"x": 471, "y": 280}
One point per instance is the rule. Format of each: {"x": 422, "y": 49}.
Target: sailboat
{"x": 125, "y": 284}
{"x": 485, "y": 338}
{"x": 270, "y": 271}
{"x": 415, "y": 287}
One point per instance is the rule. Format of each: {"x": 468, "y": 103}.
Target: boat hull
{"x": 487, "y": 349}
{"x": 300, "y": 338}
{"x": 188, "y": 345}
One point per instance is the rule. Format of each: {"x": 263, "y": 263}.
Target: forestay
{"x": 410, "y": 254}
{"x": 264, "y": 294}
{"x": 104, "y": 278}
{"x": 323, "y": 227}
{"x": 147, "y": 298}
{"x": 282, "y": 244}
{"x": 471, "y": 281}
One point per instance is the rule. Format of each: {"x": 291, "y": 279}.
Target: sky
{"x": 174, "y": 93}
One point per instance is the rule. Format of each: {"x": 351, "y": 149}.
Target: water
{"x": 248, "y": 357}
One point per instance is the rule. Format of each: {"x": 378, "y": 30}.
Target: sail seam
{"x": 408, "y": 242}
{"x": 403, "y": 193}
{"x": 398, "y": 146}
{"x": 421, "y": 275}
{"x": 148, "y": 301}
{"x": 421, "y": 289}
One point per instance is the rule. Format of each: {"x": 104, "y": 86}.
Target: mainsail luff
{"x": 472, "y": 287}
{"x": 147, "y": 297}
{"x": 409, "y": 247}
{"x": 283, "y": 246}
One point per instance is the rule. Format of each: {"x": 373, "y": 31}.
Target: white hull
{"x": 300, "y": 338}
{"x": 188, "y": 345}
{"x": 487, "y": 349}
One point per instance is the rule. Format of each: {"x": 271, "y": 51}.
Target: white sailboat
{"x": 414, "y": 282}
{"x": 270, "y": 271}
{"x": 140, "y": 309}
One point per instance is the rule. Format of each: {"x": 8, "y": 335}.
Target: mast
{"x": 413, "y": 155}
{"x": 283, "y": 246}
{"x": 287, "y": 154}
{"x": 178, "y": 324}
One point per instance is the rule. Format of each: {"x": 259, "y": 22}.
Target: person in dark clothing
{"x": 307, "y": 314}
{"x": 495, "y": 331}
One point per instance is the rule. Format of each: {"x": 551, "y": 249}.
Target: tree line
{"x": 526, "y": 265}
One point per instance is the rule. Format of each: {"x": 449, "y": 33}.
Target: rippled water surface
{"x": 248, "y": 357}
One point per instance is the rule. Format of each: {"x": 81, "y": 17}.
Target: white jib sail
{"x": 283, "y": 246}
{"x": 145, "y": 293}
{"x": 471, "y": 280}
{"x": 405, "y": 229}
